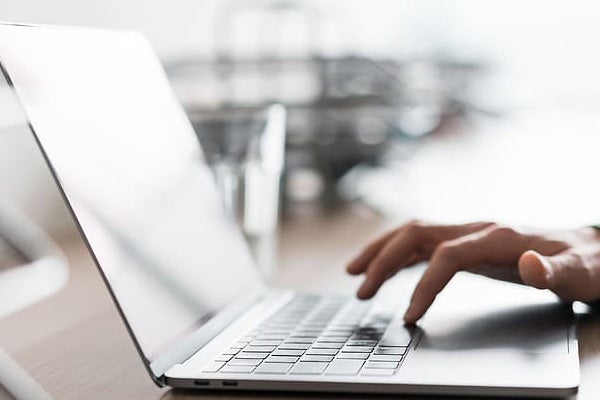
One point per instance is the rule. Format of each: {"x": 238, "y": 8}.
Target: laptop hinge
{"x": 191, "y": 344}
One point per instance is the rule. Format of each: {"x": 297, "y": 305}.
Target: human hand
{"x": 566, "y": 262}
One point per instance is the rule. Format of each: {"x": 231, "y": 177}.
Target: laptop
{"x": 131, "y": 170}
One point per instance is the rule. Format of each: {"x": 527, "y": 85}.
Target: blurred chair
{"x": 31, "y": 268}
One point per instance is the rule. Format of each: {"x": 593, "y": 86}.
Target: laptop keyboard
{"x": 314, "y": 335}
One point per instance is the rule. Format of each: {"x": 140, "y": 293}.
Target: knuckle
{"x": 492, "y": 225}
{"x": 376, "y": 268}
{"x": 415, "y": 222}
{"x": 415, "y": 227}
{"x": 503, "y": 232}
{"x": 446, "y": 250}
{"x": 576, "y": 263}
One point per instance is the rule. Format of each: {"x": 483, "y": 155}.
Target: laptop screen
{"x": 130, "y": 166}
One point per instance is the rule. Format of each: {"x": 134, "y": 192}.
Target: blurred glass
{"x": 245, "y": 149}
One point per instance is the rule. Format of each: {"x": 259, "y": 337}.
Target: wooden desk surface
{"x": 75, "y": 345}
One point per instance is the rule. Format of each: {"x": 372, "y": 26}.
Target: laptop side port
{"x": 229, "y": 383}
{"x": 201, "y": 383}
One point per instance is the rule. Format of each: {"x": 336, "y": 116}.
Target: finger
{"x": 449, "y": 258}
{"x": 360, "y": 263}
{"x": 535, "y": 270}
{"x": 408, "y": 245}
{"x": 566, "y": 274}
{"x": 399, "y": 249}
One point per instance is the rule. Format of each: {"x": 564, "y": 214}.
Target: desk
{"x": 76, "y": 346}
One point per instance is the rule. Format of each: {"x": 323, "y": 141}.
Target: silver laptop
{"x": 128, "y": 163}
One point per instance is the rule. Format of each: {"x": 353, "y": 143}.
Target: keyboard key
{"x": 239, "y": 345}
{"x": 244, "y": 354}
{"x": 224, "y": 357}
{"x": 382, "y": 364}
{"x": 333, "y": 339}
{"x": 309, "y": 335}
{"x": 259, "y": 349}
{"x": 337, "y": 332}
{"x": 276, "y": 330}
{"x": 322, "y": 352}
{"x": 369, "y": 343}
{"x": 308, "y": 368}
{"x": 367, "y": 330}
{"x": 316, "y": 358}
{"x": 353, "y": 356}
{"x": 282, "y": 359}
{"x": 377, "y": 325}
{"x": 287, "y": 352}
{"x": 272, "y": 337}
{"x": 312, "y": 325}
{"x": 326, "y": 345}
{"x": 341, "y": 325}
{"x": 231, "y": 351}
{"x": 391, "y": 350}
{"x": 282, "y": 326}
{"x": 308, "y": 330}
{"x": 244, "y": 361}
{"x": 301, "y": 340}
{"x": 213, "y": 366}
{"x": 385, "y": 357}
{"x": 396, "y": 336}
{"x": 344, "y": 367}
{"x": 365, "y": 336}
{"x": 357, "y": 349}
{"x": 273, "y": 368}
{"x": 242, "y": 369}
{"x": 377, "y": 372}
{"x": 265, "y": 343}
{"x": 293, "y": 346}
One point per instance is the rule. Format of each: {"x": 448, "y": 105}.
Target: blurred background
{"x": 444, "y": 110}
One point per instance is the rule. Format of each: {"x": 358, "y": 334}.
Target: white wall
{"x": 549, "y": 50}
{"x": 174, "y": 26}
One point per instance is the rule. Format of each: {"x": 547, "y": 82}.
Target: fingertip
{"x": 411, "y": 316}
{"x": 362, "y": 296}
{"x": 366, "y": 290}
{"x": 353, "y": 267}
{"x": 534, "y": 270}
{"x": 359, "y": 264}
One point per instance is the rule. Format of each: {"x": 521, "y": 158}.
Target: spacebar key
{"x": 344, "y": 367}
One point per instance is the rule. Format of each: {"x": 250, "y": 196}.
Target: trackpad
{"x": 478, "y": 314}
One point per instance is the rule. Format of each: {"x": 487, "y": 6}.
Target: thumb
{"x": 568, "y": 274}
{"x": 536, "y": 270}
